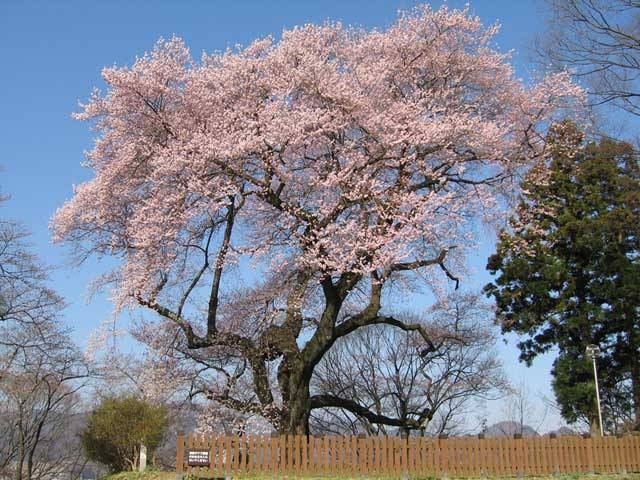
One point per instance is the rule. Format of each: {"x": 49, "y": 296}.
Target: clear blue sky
{"x": 52, "y": 53}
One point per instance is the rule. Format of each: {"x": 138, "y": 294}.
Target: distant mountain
{"x": 509, "y": 429}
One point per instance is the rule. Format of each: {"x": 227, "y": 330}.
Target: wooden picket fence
{"x": 377, "y": 456}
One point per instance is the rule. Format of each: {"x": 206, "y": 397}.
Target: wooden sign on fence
{"x": 295, "y": 455}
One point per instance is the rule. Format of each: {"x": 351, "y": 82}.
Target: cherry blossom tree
{"x": 338, "y": 163}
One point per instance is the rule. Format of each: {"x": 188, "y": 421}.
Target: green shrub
{"x": 118, "y": 427}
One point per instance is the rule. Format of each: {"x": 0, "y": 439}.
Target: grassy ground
{"x": 155, "y": 475}
{"x": 148, "y": 475}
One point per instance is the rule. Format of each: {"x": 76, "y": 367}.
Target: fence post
{"x": 180, "y": 452}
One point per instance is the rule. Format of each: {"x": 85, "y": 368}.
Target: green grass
{"x": 156, "y": 475}
{"x": 148, "y": 475}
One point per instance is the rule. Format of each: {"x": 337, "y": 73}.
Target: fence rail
{"x": 414, "y": 456}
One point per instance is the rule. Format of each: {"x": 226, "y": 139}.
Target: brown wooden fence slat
{"x": 578, "y": 445}
{"x": 626, "y": 454}
{"x": 613, "y": 461}
{"x": 629, "y": 452}
{"x": 251, "y": 453}
{"x": 466, "y": 457}
{"x": 483, "y": 457}
{"x": 538, "y": 458}
{"x": 570, "y": 454}
{"x": 620, "y": 454}
{"x": 441, "y": 456}
{"x": 463, "y": 460}
{"x": 503, "y": 459}
{"x": 512, "y": 462}
{"x": 374, "y": 451}
{"x": 560, "y": 452}
{"x": 489, "y": 458}
{"x": 568, "y": 458}
{"x": 520, "y": 463}
{"x": 308, "y": 452}
{"x": 582, "y": 445}
{"x": 612, "y": 454}
{"x": 597, "y": 455}
{"x": 334, "y": 455}
{"x": 424, "y": 458}
{"x": 541, "y": 457}
{"x": 235, "y": 448}
{"x": 500, "y": 461}
{"x": 535, "y": 455}
{"x": 616, "y": 454}
{"x": 604, "y": 455}
{"x": 613, "y": 464}
{"x": 305, "y": 440}
{"x": 180, "y": 453}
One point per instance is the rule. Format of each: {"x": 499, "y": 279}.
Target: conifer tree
{"x": 569, "y": 274}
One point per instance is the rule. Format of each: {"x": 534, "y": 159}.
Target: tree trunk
{"x": 594, "y": 426}
{"x": 30, "y": 465}
{"x": 298, "y": 418}
{"x": 298, "y": 408}
{"x": 34, "y": 443}
{"x": 19, "y": 463}
{"x": 21, "y": 448}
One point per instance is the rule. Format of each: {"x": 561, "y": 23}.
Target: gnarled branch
{"x": 324, "y": 401}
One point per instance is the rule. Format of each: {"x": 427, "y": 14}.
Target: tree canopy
{"x": 118, "y": 427}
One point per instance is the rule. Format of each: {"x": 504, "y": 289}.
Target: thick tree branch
{"x": 217, "y": 273}
{"x": 356, "y": 322}
{"x": 193, "y": 340}
{"x": 271, "y": 412}
{"x": 324, "y": 401}
{"x": 439, "y": 260}
{"x": 404, "y": 266}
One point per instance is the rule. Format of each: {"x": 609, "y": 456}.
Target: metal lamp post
{"x": 592, "y": 352}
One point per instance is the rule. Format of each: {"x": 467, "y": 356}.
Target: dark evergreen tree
{"x": 568, "y": 274}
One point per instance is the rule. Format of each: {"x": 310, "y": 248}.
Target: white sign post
{"x": 143, "y": 458}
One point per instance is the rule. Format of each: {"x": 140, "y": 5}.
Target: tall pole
{"x": 595, "y": 375}
{"x": 593, "y": 351}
